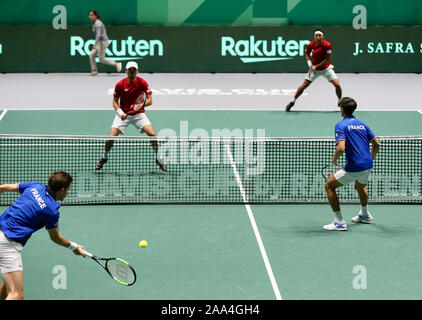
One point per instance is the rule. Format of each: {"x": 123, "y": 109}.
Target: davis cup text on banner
{"x": 252, "y": 50}
{"x": 125, "y": 49}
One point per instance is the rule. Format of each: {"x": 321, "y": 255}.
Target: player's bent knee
{"x": 332, "y": 184}
{"x": 149, "y": 131}
{"x": 115, "y": 132}
{"x": 336, "y": 83}
{"x": 150, "y": 134}
{"x": 328, "y": 187}
{"x": 305, "y": 85}
{"x": 359, "y": 186}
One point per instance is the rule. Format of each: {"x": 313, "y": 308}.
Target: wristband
{"x": 120, "y": 112}
{"x": 309, "y": 63}
{"x": 73, "y": 246}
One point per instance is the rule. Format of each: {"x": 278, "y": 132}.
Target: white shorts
{"x": 139, "y": 120}
{"x": 328, "y": 73}
{"x": 10, "y": 255}
{"x": 345, "y": 177}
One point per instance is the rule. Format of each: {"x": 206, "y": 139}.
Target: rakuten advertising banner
{"x": 210, "y": 49}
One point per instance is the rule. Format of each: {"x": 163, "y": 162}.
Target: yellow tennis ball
{"x": 143, "y": 243}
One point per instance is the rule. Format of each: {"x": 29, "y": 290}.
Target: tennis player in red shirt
{"x": 319, "y": 65}
{"x": 125, "y": 98}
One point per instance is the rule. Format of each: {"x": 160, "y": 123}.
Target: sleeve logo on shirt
{"x": 354, "y": 127}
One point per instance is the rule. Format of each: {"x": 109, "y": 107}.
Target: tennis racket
{"x": 139, "y": 103}
{"x": 329, "y": 170}
{"x": 118, "y": 269}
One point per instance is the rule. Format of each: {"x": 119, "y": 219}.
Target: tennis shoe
{"x": 362, "y": 218}
{"x": 93, "y": 73}
{"x": 100, "y": 163}
{"x": 335, "y": 226}
{"x": 161, "y": 164}
{"x": 290, "y": 105}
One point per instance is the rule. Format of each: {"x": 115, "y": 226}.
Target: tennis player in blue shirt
{"x": 353, "y": 137}
{"x": 36, "y": 207}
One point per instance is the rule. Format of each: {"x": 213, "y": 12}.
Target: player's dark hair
{"x": 349, "y": 105}
{"x": 59, "y": 180}
{"x": 96, "y": 14}
{"x": 320, "y": 30}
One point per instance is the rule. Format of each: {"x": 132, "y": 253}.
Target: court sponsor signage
{"x": 119, "y": 50}
{"x": 253, "y": 50}
{"x": 386, "y": 48}
{"x": 210, "y": 48}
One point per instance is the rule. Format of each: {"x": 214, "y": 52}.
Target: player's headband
{"x": 318, "y": 32}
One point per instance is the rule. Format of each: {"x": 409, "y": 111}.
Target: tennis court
{"x": 245, "y": 99}
{"x": 227, "y": 251}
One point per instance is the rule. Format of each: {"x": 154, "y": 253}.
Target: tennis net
{"x": 205, "y": 170}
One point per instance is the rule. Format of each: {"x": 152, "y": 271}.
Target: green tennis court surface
{"x": 212, "y": 252}
{"x": 275, "y": 123}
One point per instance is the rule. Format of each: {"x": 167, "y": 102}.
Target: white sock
{"x": 338, "y": 216}
{"x": 364, "y": 210}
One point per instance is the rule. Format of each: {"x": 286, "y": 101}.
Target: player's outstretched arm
{"x": 57, "y": 238}
{"x": 14, "y": 187}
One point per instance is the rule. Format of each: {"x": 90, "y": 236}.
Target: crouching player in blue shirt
{"x": 35, "y": 208}
{"x": 353, "y": 137}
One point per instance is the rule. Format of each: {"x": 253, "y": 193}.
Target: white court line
{"x": 207, "y": 108}
{"x": 255, "y": 227}
{"x": 14, "y": 108}
{"x": 3, "y": 114}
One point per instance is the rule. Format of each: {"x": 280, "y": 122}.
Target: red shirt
{"x": 128, "y": 92}
{"x": 319, "y": 53}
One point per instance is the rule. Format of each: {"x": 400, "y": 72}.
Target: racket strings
{"x": 121, "y": 271}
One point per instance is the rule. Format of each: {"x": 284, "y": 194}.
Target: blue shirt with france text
{"x": 34, "y": 209}
{"x": 357, "y": 136}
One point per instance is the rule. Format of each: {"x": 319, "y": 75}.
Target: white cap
{"x": 132, "y": 64}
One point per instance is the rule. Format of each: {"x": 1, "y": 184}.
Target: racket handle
{"x": 87, "y": 254}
